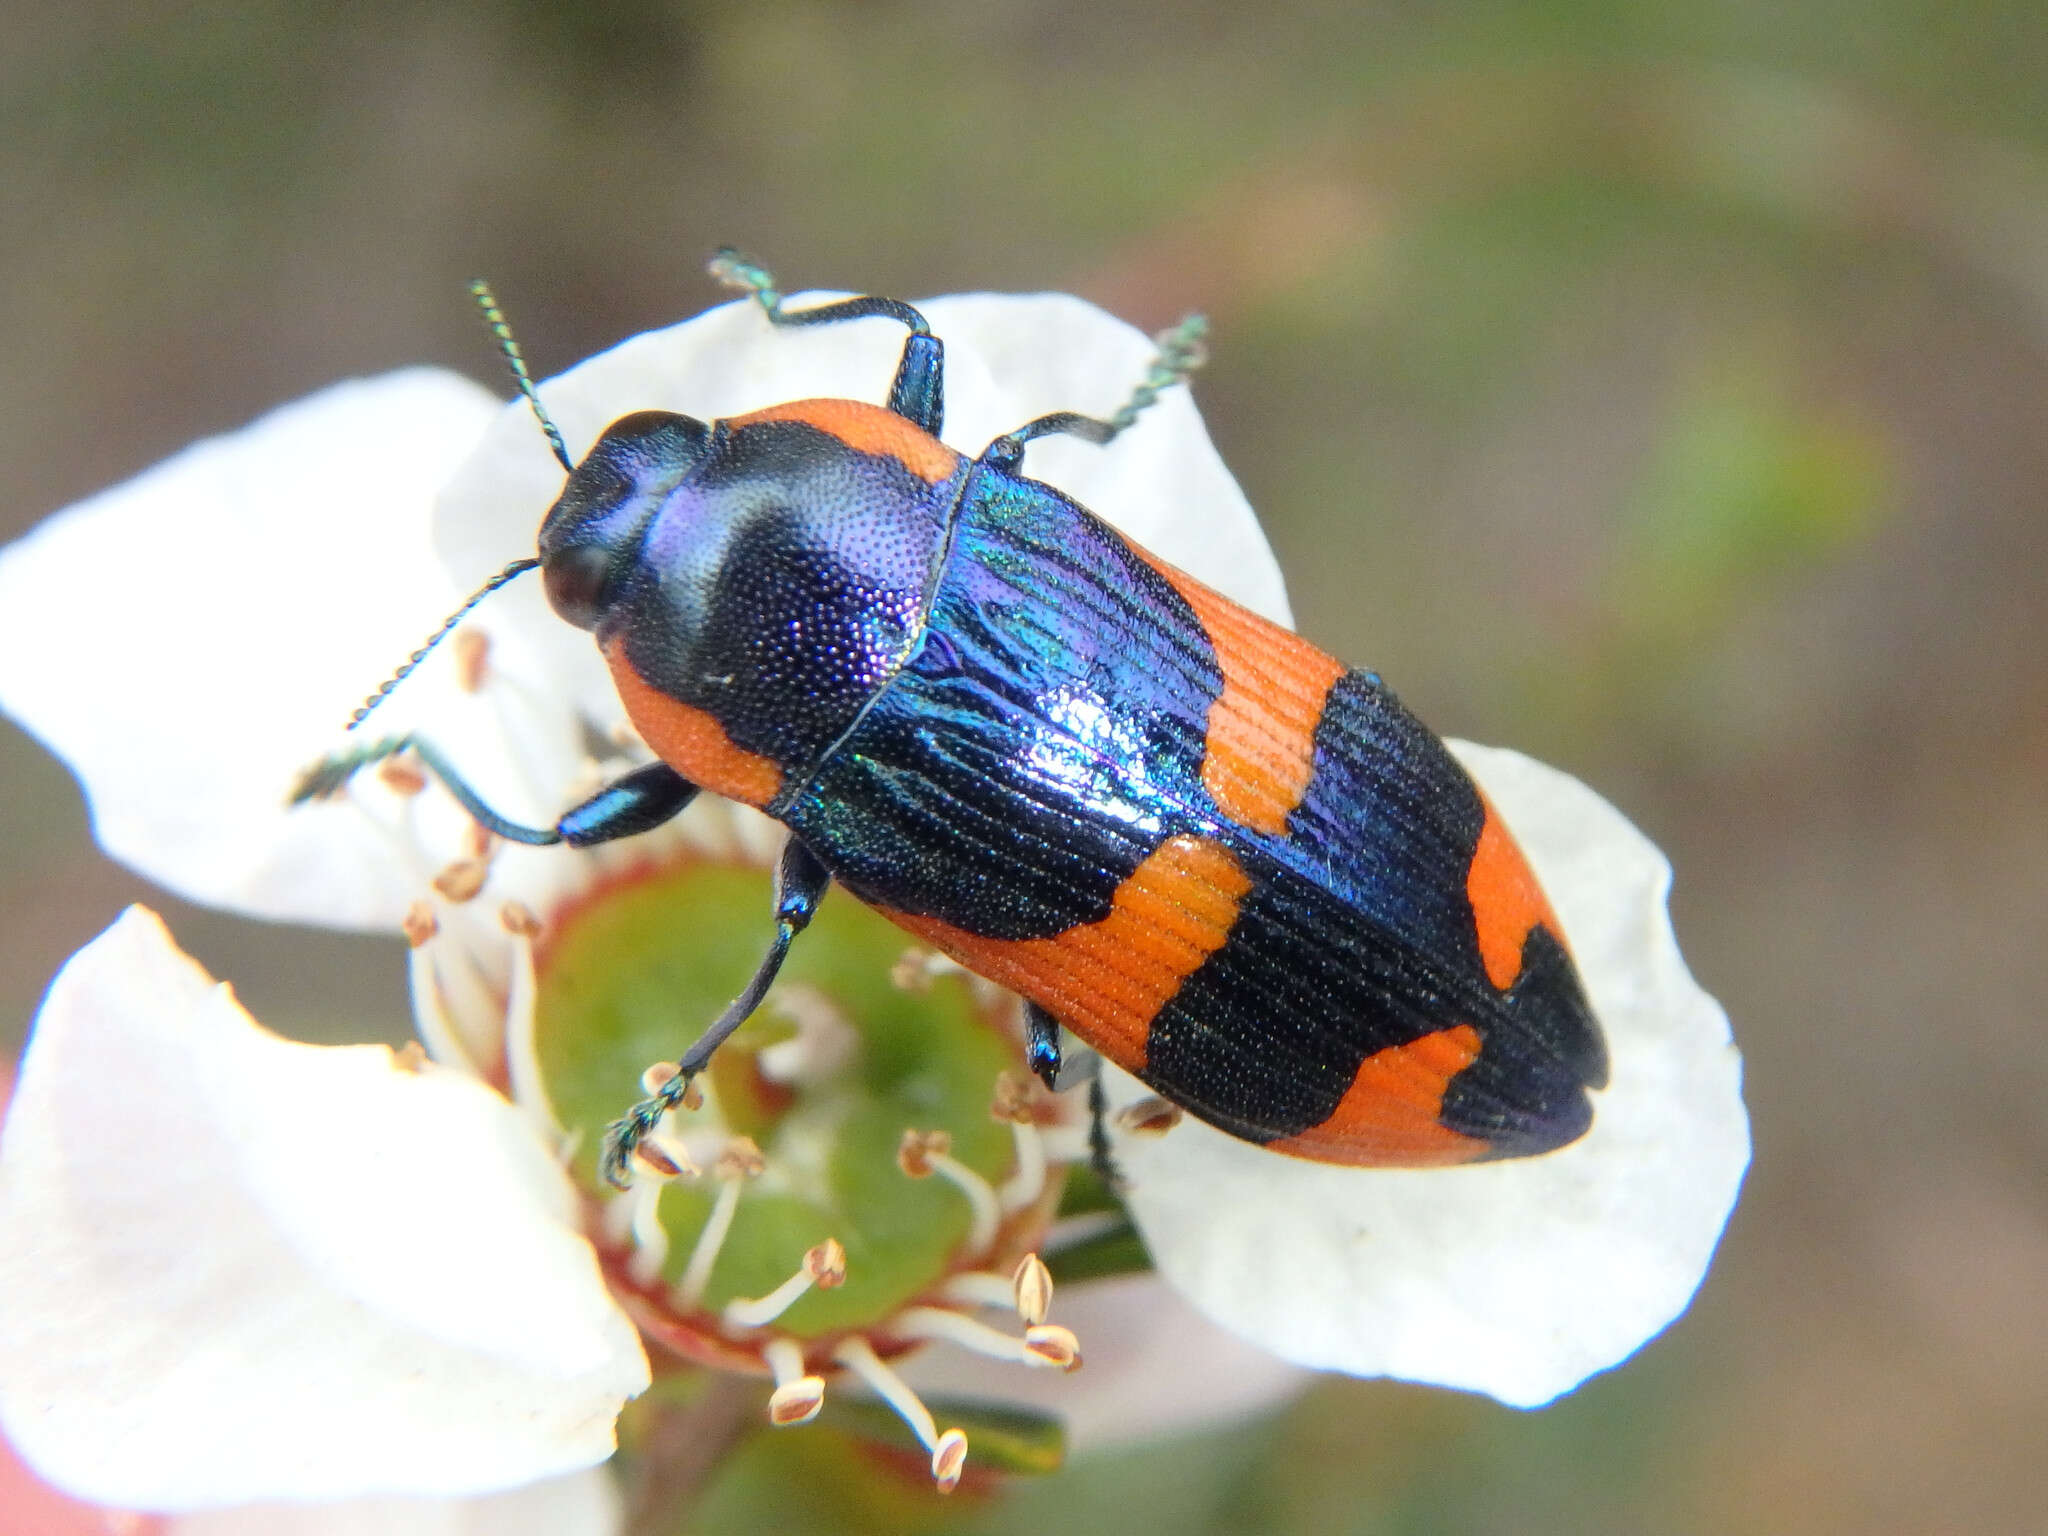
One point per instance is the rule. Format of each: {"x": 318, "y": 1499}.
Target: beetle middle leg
{"x": 800, "y": 883}
{"x": 1042, "y": 1054}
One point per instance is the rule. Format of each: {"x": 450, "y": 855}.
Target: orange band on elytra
{"x": 1260, "y": 746}
{"x": 1388, "y": 1117}
{"x": 1506, "y": 900}
{"x": 1107, "y": 980}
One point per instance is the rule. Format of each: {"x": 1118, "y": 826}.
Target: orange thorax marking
{"x": 870, "y": 429}
{"x": 691, "y": 741}
{"x": 1506, "y": 900}
{"x": 1260, "y": 746}
{"x": 1388, "y": 1117}
{"x": 1106, "y": 980}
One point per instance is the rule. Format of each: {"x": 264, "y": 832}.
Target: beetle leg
{"x": 1100, "y": 1158}
{"x": 1182, "y": 350}
{"x": 800, "y": 883}
{"x": 918, "y": 392}
{"x": 636, "y": 802}
{"x": 1042, "y": 1045}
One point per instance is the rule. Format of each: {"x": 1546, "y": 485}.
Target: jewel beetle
{"x": 1231, "y": 865}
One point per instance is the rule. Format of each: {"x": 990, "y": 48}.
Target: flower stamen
{"x": 823, "y": 1043}
{"x": 432, "y": 1020}
{"x": 824, "y": 1266}
{"x": 798, "y": 1395}
{"x": 1045, "y": 1345}
{"x": 523, "y": 1073}
{"x": 949, "y": 1450}
{"x": 1012, "y": 1103}
{"x": 923, "y": 1153}
{"x": 740, "y": 1161}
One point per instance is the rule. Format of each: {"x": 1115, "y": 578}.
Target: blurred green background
{"x": 1659, "y": 388}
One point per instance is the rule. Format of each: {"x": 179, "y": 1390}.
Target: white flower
{"x": 278, "y": 1271}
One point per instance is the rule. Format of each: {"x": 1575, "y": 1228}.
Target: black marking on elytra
{"x": 1358, "y": 936}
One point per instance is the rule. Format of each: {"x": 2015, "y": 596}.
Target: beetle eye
{"x": 576, "y": 579}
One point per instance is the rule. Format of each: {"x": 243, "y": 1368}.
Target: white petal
{"x": 581, "y": 1504}
{"x": 1009, "y": 357}
{"x": 240, "y": 1268}
{"x": 1518, "y": 1278}
{"x": 190, "y": 640}
{"x": 1155, "y": 1367}
{"x": 1161, "y": 482}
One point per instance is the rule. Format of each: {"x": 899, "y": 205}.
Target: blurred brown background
{"x": 1659, "y": 388}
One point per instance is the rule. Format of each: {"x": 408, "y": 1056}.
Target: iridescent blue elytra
{"x": 1231, "y": 865}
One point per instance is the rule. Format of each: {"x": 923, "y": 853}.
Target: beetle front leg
{"x": 800, "y": 883}
{"x": 917, "y": 393}
{"x": 635, "y": 802}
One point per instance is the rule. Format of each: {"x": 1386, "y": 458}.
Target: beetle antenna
{"x": 515, "y": 569}
{"x": 494, "y": 317}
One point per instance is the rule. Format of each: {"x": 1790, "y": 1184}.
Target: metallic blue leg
{"x": 800, "y": 883}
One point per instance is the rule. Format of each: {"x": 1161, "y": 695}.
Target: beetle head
{"x": 591, "y": 536}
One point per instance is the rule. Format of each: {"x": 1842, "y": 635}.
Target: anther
{"x": 740, "y": 1158}
{"x": 824, "y": 1266}
{"x": 949, "y": 1451}
{"x": 479, "y": 840}
{"x": 472, "y": 660}
{"x": 1050, "y": 1344}
{"x": 664, "y": 1158}
{"x": 420, "y": 923}
{"x": 401, "y": 775}
{"x": 656, "y": 1077}
{"x": 921, "y": 1154}
{"x": 517, "y": 919}
{"x": 914, "y": 1153}
{"x": 411, "y": 1057}
{"x": 1012, "y": 1101}
{"x": 461, "y": 881}
{"x": 909, "y": 973}
{"x": 738, "y": 1161}
{"x": 1032, "y": 1286}
{"x": 1149, "y": 1116}
{"x": 798, "y": 1395}
{"x": 949, "y": 1459}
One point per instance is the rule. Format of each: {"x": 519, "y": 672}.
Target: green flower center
{"x": 825, "y": 1079}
